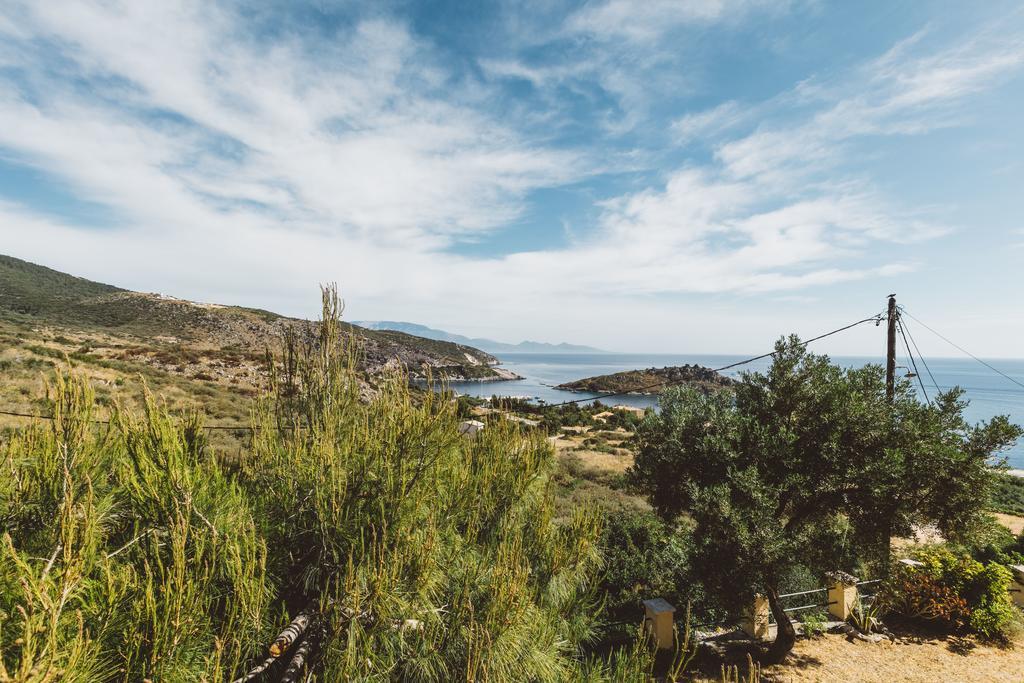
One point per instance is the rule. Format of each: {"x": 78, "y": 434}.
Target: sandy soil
{"x": 931, "y": 535}
{"x": 918, "y": 659}
{"x": 1012, "y": 522}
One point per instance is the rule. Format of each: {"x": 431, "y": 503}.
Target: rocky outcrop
{"x": 652, "y": 380}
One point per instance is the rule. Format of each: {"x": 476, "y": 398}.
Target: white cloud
{"x": 710, "y": 122}
{"x": 644, "y": 20}
{"x": 622, "y": 54}
{"x": 899, "y": 93}
{"x": 248, "y": 170}
{"x": 349, "y": 134}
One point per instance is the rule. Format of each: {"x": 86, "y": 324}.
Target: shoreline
{"x": 501, "y": 375}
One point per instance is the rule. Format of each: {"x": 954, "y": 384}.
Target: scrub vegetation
{"x": 809, "y": 468}
{"x": 135, "y": 544}
{"x": 129, "y": 552}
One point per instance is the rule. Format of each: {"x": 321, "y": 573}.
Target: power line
{"x": 106, "y": 422}
{"x": 878, "y": 317}
{"x": 899, "y": 326}
{"x": 910, "y": 334}
{"x": 957, "y": 346}
{"x": 875, "y": 319}
{"x": 14, "y": 414}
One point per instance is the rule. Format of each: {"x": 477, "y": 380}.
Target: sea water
{"x": 989, "y": 393}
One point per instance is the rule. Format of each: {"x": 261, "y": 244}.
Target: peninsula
{"x": 652, "y": 380}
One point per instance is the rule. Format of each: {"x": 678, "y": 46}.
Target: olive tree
{"x": 809, "y": 465}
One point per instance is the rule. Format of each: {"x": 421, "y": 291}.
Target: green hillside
{"x": 31, "y": 294}
{"x": 203, "y": 356}
{"x": 34, "y": 293}
{"x": 27, "y": 289}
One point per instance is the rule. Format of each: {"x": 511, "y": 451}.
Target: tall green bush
{"x": 128, "y": 552}
{"x": 646, "y": 558}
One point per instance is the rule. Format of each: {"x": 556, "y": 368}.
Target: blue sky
{"x": 695, "y": 175}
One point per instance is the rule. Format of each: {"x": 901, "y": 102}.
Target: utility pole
{"x": 888, "y": 512}
{"x": 890, "y": 351}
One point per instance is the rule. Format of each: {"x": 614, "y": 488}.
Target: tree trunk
{"x": 885, "y": 544}
{"x": 785, "y": 634}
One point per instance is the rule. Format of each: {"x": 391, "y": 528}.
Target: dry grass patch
{"x": 603, "y": 462}
{"x": 928, "y": 535}
{"x": 1012, "y": 522}
{"x": 918, "y": 659}
{"x": 589, "y": 477}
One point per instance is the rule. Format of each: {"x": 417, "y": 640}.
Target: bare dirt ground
{"x": 914, "y": 659}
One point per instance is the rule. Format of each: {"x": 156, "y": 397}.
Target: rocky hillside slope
{"x": 652, "y": 380}
{"x": 35, "y": 296}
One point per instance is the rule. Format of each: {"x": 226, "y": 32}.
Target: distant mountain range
{"x": 488, "y": 345}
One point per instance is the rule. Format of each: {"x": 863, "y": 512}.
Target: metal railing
{"x": 813, "y": 590}
{"x": 803, "y": 607}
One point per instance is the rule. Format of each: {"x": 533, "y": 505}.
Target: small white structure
{"x": 658, "y": 621}
{"x": 1017, "y": 585}
{"x": 843, "y": 598}
{"x": 522, "y": 420}
{"x": 470, "y": 427}
{"x": 631, "y": 409}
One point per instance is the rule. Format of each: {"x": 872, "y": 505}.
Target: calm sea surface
{"x": 989, "y": 393}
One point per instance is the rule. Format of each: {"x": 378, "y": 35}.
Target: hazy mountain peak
{"x": 488, "y": 345}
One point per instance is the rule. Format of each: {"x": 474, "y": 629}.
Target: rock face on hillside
{"x": 652, "y": 380}
{"x": 35, "y": 295}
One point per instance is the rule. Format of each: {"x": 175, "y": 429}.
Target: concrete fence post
{"x": 658, "y": 621}
{"x": 755, "y": 621}
{"x": 1017, "y": 585}
{"x": 842, "y": 595}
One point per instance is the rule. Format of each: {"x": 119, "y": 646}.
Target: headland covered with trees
{"x": 362, "y": 534}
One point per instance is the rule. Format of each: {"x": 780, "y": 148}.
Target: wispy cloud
{"x": 900, "y": 93}
{"x": 182, "y": 109}
{"x": 710, "y": 123}
{"x": 619, "y": 56}
{"x": 645, "y": 20}
{"x": 254, "y": 164}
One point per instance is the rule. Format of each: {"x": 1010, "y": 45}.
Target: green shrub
{"x": 865, "y": 617}
{"x": 1008, "y": 494}
{"x": 954, "y": 590}
{"x": 131, "y": 553}
{"x": 814, "y": 622}
{"x": 646, "y": 558}
{"x": 126, "y": 553}
{"x": 993, "y": 614}
{"x": 993, "y": 542}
